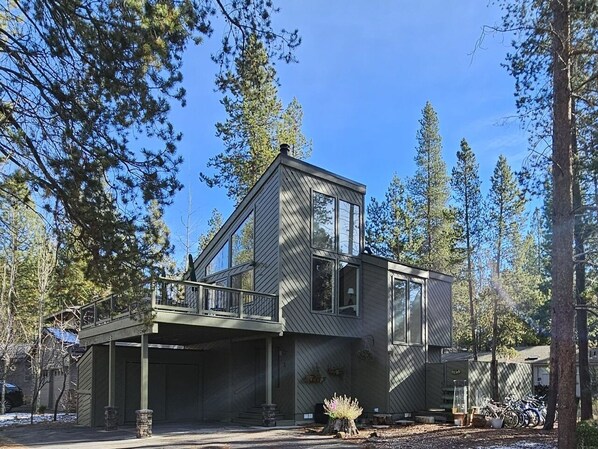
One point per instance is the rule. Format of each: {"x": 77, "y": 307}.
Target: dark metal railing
{"x": 184, "y": 297}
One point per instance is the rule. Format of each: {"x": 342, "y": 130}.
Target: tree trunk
{"x": 553, "y": 379}
{"x": 494, "y": 361}
{"x": 585, "y": 381}
{"x": 562, "y": 223}
{"x": 347, "y": 426}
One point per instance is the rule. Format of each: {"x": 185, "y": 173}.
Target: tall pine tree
{"x": 429, "y": 190}
{"x": 257, "y": 124}
{"x": 467, "y": 194}
{"x": 505, "y": 215}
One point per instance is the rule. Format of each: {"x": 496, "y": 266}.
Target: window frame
{"x": 408, "y": 318}
{"x": 232, "y": 263}
{"x": 334, "y": 246}
{"x": 226, "y": 245}
{"x": 334, "y": 282}
{"x": 352, "y": 209}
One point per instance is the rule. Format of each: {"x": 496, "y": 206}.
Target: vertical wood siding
{"x": 100, "y": 384}
{"x": 295, "y": 254}
{"x": 84, "y": 388}
{"x": 439, "y": 313}
{"x": 322, "y": 352}
{"x": 514, "y": 379}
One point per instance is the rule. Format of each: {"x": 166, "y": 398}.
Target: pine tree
{"x": 505, "y": 214}
{"x": 85, "y": 95}
{"x": 214, "y": 225}
{"x": 466, "y": 186}
{"x": 429, "y": 191}
{"x": 390, "y": 227}
{"x": 256, "y": 125}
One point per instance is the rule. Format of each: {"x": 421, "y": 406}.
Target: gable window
{"x": 242, "y": 243}
{"x": 348, "y": 223}
{"x": 322, "y": 284}
{"x": 219, "y": 262}
{"x": 407, "y": 311}
{"x": 323, "y": 221}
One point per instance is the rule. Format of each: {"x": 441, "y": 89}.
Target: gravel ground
{"x": 427, "y": 436}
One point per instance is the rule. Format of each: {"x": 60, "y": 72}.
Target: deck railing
{"x": 183, "y": 297}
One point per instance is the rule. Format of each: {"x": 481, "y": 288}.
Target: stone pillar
{"x": 269, "y": 415}
{"x": 111, "y": 418}
{"x": 144, "y": 423}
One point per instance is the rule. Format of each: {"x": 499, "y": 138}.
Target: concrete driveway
{"x": 179, "y": 436}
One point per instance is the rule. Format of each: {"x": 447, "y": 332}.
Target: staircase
{"x": 254, "y": 417}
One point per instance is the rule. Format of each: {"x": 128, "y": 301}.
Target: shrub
{"x": 587, "y": 434}
{"x": 342, "y": 407}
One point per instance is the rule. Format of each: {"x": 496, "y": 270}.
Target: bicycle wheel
{"x": 511, "y": 419}
{"x": 533, "y": 417}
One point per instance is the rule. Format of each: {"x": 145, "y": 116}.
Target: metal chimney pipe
{"x": 284, "y": 149}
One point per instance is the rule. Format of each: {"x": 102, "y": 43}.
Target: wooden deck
{"x": 167, "y": 305}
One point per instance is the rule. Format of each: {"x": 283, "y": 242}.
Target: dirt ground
{"x": 430, "y": 436}
{"x": 191, "y": 436}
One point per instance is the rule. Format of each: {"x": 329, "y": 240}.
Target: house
{"x": 288, "y": 308}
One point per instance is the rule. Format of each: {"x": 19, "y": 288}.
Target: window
{"x": 216, "y": 299}
{"x": 242, "y": 281}
{"x": 399, "y": 328}
{"x": 348, "y": 222}
{"x": 323, "y": 221}
{"x": 347, "y": 295}
{"x": 219, "y": 262}
{"x": 415, "y": 312}
{"x": 242, "y": 243}
{"x": 407, "y": 311}
{"x": 322, "y": 284}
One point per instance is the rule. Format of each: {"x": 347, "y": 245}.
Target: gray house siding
{"x": 84, "y": 388}
{"x": 217, "y": 382}
{"x": 407, "y": 378}
{"x": 296, "y": 254}
{"x": 370, "y": 376}
{"x": 283, "y": 375}
{"x": 440, "y": 320}
{"x": 320, "y": 353}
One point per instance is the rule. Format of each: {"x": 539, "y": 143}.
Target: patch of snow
{"x": 522, "y": 445}
{"x": 20, "y": 418}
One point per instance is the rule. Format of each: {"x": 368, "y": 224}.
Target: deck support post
{"x": 144, "y": 415}
{"x": 111, "y": 410}
{"x": 269, "y": 409}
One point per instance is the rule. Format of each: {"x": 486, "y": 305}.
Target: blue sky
{"x": 365, "y": 72}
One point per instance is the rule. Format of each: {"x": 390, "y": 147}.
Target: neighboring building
{"x": 288, "y": 310}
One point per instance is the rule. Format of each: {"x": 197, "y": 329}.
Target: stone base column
{"x": 144, "y": 423}
{"x": 111, "y": 418}
{"x": 269, "y": 415}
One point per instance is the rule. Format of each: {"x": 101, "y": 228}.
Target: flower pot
{"x": 496, "y": 423}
